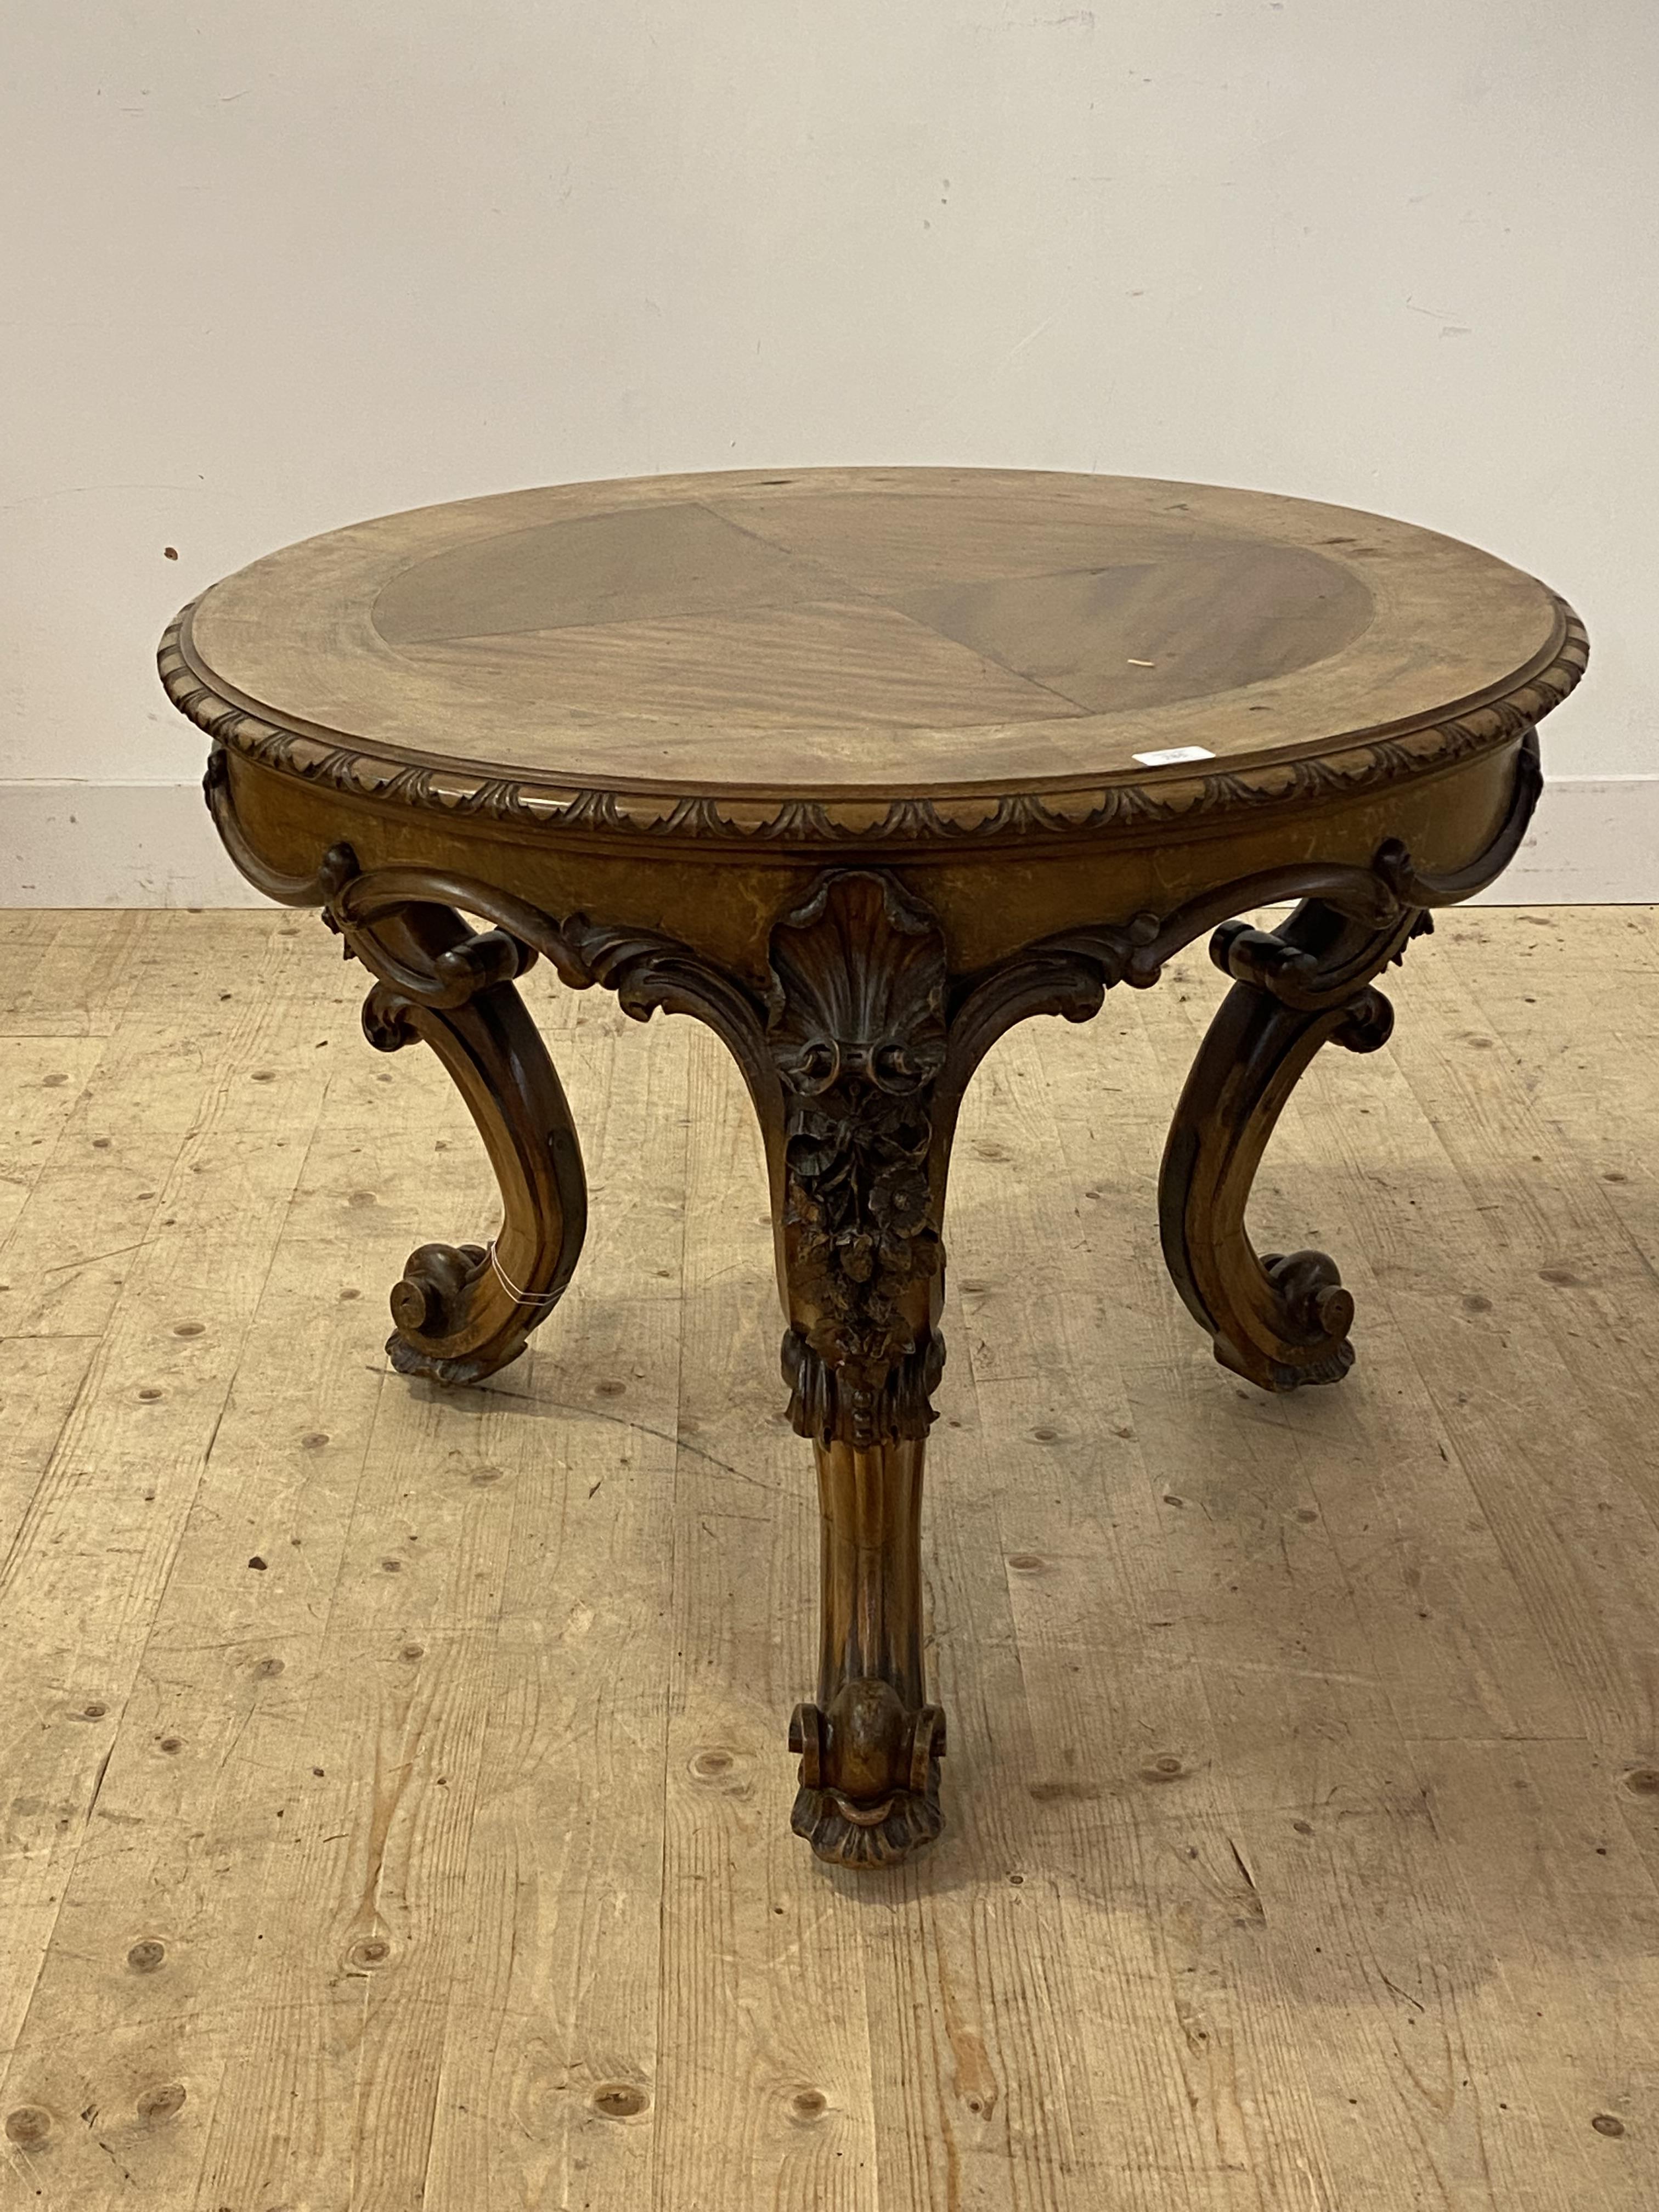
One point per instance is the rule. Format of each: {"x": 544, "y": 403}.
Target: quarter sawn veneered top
{"x": 850, "y": 637}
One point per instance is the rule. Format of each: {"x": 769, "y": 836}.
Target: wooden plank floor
{"x": 395, "y": 1800}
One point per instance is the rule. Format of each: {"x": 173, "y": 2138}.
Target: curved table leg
{"x": 1277, "y": 1320}
{"x": 856, "y": 1053}
{"x": 858, "y": 1150}
{"x": 871, "y": 1745}
{"x": 461, "y": 1312}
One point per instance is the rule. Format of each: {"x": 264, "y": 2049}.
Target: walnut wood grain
{"x": 1279, "y": 1320}
{"x": 844, "y": 765}
{"x": 909, "y": 656}
{"x": 460, "y": 1312}
{"x": 1282, "y": 1319}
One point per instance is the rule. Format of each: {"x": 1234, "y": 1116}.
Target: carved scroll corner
{"x": 388, "y": 1018}
{"x": 1260, "y": 956}
{"x": 1367, "y": 1021}
{"x": 1395, "y": 867}
{"x": 339, "y": 866}
{"x": 432, "y": 1299}
{"x": 215, "y": 776}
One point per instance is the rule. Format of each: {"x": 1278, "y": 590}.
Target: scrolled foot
{"x": 1314, "y": 1312}
{"x": 869, "y": 1775}
{"x": 433, "y": 1306}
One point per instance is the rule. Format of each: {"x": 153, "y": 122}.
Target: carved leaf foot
{"x": 869, "y": 1775}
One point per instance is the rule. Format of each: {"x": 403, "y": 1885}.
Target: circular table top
{"x": 843, "y": 646}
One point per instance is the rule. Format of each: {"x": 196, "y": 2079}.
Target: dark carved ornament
{"x": 856, "y": 1029}
{"x": 857, "y": 1056}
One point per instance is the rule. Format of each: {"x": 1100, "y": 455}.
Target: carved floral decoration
{"x": 857, "y": 1031}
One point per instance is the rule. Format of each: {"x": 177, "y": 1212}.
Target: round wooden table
{"x": 861, "y": 766}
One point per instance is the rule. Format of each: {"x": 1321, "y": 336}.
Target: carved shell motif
{"x": 858, "y": 988}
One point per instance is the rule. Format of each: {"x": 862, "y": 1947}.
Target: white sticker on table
{"x": 1172, "y": 754}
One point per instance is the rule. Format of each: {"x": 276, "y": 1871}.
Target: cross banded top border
{"x": 1125, "y": 803}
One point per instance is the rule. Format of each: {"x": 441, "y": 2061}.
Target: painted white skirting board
{"x": 1594, "y": 841}
{"x": 113, "y": 844}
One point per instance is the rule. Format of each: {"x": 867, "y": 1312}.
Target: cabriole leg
{"x": 463, "y": 1311}
{"x": 856, "y": 1033}
{"x": 1277, "y": 1320}
{"x": 870, "y": 1746}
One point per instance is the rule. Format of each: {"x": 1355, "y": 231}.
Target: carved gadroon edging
{"x": 1372, "y": 761}
{"x": 857, "y": 1056}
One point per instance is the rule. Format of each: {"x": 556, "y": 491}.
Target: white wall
{"x": 276, "y": 265}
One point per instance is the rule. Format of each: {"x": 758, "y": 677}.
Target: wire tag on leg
{"x": 519, "y": 1296}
